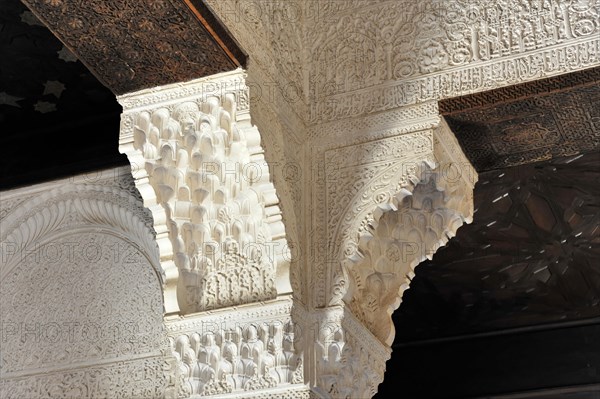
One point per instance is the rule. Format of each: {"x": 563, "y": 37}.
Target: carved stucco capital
{"x": 198, "y": 163}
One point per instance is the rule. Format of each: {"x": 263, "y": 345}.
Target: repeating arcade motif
{"x": 237, "y": 351}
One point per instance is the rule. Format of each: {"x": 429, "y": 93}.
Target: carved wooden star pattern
{"x": 529, "y": 257}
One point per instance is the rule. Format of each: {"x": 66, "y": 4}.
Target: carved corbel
{"x": 198, "y": 163}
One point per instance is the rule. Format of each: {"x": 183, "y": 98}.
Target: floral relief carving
{"x": 131, "y": 379}
{"x": 438, "y": 49}
{"x": 349, "y": 91}
{"x": 81, "y": 307}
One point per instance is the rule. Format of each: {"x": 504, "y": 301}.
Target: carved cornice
{"x": 207, "y": 183}
{"x": 277, "y": 309}
{"x": 520, "y": 91}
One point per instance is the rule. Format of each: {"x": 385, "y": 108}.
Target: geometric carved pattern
{"x": 367, "y": 61}
{"x": 498, "y": 133}
{"x": 207, "y": 175}
{"x": 528, "y": 258}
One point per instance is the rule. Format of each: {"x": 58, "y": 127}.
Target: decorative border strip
{"x": 214, "y": 85}
{"x": 460, "y": 81}
{"x": 520, "y": 91}
{"x": 279, "y": 308}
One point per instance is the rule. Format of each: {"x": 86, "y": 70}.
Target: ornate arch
{"x": 55, "y": 211}
{"x": 392, "y": 202}
{"x": 82, "y": 300}
{"x": 399, "y": 236}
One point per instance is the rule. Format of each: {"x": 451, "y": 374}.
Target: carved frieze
{"x": 139, "y": 378}
{"x": 387, "y": 56}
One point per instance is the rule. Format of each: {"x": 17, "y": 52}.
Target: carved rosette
{"x": 199, "y": 165}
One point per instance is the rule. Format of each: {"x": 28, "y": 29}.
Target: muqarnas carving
{"x": 255, "y": 357}
{"x": 207, "y": 170}
{"x": 392, "y": 245}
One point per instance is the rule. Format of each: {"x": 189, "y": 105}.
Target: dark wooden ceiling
{"x": 531, "y": 122}
{"x": 530, "y": 257}
{"x": 119, "y": 40}
{"x": 512, "y": 303}
{"x": 56, "y": 119}
{"x": 59, "y": 119}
